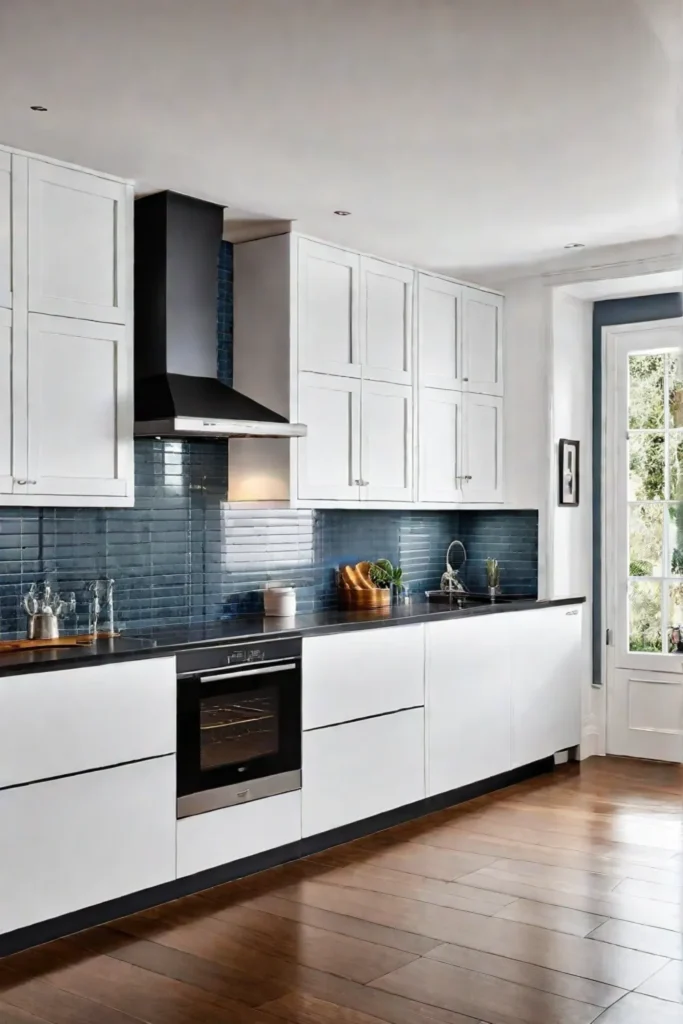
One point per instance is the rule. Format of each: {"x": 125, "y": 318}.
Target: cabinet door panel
{"x": 353, "y": 771}
{"x": 439, "y": 343}
{"x": 80, "y": 408}
{"x": 78, "y": 841}
{"x": 482, "y": 341}
{"x": 386, "y": 300}
{"x": 387, "y": 446}
{"x": 483, "y": 444}
{"x": 440, "y": 445}
{"x": 467, "y": 703}
{"x": 5, "y": 229}
{"x": 6, "y": 404}
{"x": 545, "y": 660}
{"x": 77, "y": 244}
{"x": 329, "y": 455}
{"x": 328, "y": 309}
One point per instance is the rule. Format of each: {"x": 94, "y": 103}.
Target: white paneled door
{"x": 329, "y": 455}
{"x": 439, "y": 333}
{"x": 80, "y": 416}
{"x": 5, "y": 229}
{"x": 6, "y": 404}
{"x": 387, "y": 442}
{"x": 643, "y": 524}
{"x": 78, "y": 245}
{"x": 386, "y": 321}
{"x": 483, "y": 448}
{"x": 328, "y": 291}
{"x": 440, "y": 445}
{"x": 482, "y": 332}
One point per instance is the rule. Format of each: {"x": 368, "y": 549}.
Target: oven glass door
{"x": 235, "y": 726}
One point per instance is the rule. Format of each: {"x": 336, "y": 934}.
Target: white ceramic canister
{"x": 279, "y": 600}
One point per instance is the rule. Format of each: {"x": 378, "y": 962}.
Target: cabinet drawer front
{"x": 354, "y": 771}
{"x": 363, "y": 673}
{"x": 222, "y": 836}
{"x": 61, "y": 722}
{"x": 79, "y": 841}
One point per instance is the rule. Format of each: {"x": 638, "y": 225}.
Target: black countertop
{"x": 167, "y": 640}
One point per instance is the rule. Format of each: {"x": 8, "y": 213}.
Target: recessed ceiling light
{"x": 343, "y": 213}
{"x": 42, "y": 110}
{"x": 575, "y": 245}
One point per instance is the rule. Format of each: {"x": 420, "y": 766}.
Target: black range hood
{"x": 177, "y": 391}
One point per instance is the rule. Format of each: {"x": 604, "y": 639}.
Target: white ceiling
{"x": 458, "y": 132}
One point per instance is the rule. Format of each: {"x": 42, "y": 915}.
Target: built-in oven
{"x": 239, "y": 723}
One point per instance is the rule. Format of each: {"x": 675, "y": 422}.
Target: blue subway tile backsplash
{"x": 180, "y": 555}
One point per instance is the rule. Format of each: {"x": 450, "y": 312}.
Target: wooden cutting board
{"x": 63, "y": 641}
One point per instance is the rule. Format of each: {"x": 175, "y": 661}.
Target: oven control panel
{"x": 216, "y": 656}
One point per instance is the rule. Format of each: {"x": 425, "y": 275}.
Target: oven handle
{"x": 287, "y": 667}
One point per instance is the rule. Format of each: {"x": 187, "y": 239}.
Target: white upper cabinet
{"x": 482, "y": 330}
{"x": 418, "y": 348}
{"x": 482, "y": 448}
{"x": 80, "y": 432}
{"x": 5, "y": 229}
{"x": 66, "y": 344}
{"x": 387, "y": 442}
{"x": 439, "y": 333}
{"x": 440, "y": 445}
{"x": 329, "y": 455}
{"x": 77, "y": 264}
{"x": 6, "y": 457}
{"x": 386, "y": 321}
{"x": 328, "y": 290}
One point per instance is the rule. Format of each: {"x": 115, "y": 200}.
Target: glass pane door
{"x": 654, "y": 412}
{"x": 237, "y": 728}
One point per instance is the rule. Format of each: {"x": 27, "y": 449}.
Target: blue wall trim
{"x": 608, "y": 313}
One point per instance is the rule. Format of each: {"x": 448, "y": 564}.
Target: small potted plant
{"x": 493, "y": 577}
{"x": 385, "y": 575}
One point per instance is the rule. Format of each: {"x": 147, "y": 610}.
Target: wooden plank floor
{"x": 557, "y": 901}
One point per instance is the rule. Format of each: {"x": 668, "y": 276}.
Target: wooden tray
{"x": 82, "y": 640}
{"x": 364, "y": 597}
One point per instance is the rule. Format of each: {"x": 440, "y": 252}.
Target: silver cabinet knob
{"x": 467, "y": 479}
{"x": 466, "y": 380}
{"x": 21, "y": 482}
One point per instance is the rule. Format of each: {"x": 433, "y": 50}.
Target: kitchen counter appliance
{"x": 239, "y": 723}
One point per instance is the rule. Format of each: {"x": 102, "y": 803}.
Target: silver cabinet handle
{"x": 467, "y": 479}
{"x": 21, "y": 482}
{"x": 32, "y": 482}
{"x": 466, "y": 380}
{"x": 358, "y": 482}
{"x": 365, "y": 483}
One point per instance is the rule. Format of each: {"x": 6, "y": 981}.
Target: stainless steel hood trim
{"x": 189, "y": 426}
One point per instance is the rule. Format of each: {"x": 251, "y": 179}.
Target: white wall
{"x": 570, "y": 540}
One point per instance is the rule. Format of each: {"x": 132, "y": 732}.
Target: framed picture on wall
{"x": 568, "y": 465}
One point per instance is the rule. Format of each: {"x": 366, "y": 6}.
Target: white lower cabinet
{"x": 354, "y": 771}
{"x": 231, "y": 833}
{"x": 545, "y": 669}
{"x": 467, "y": 703}
{"x": 78, "y": 841}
